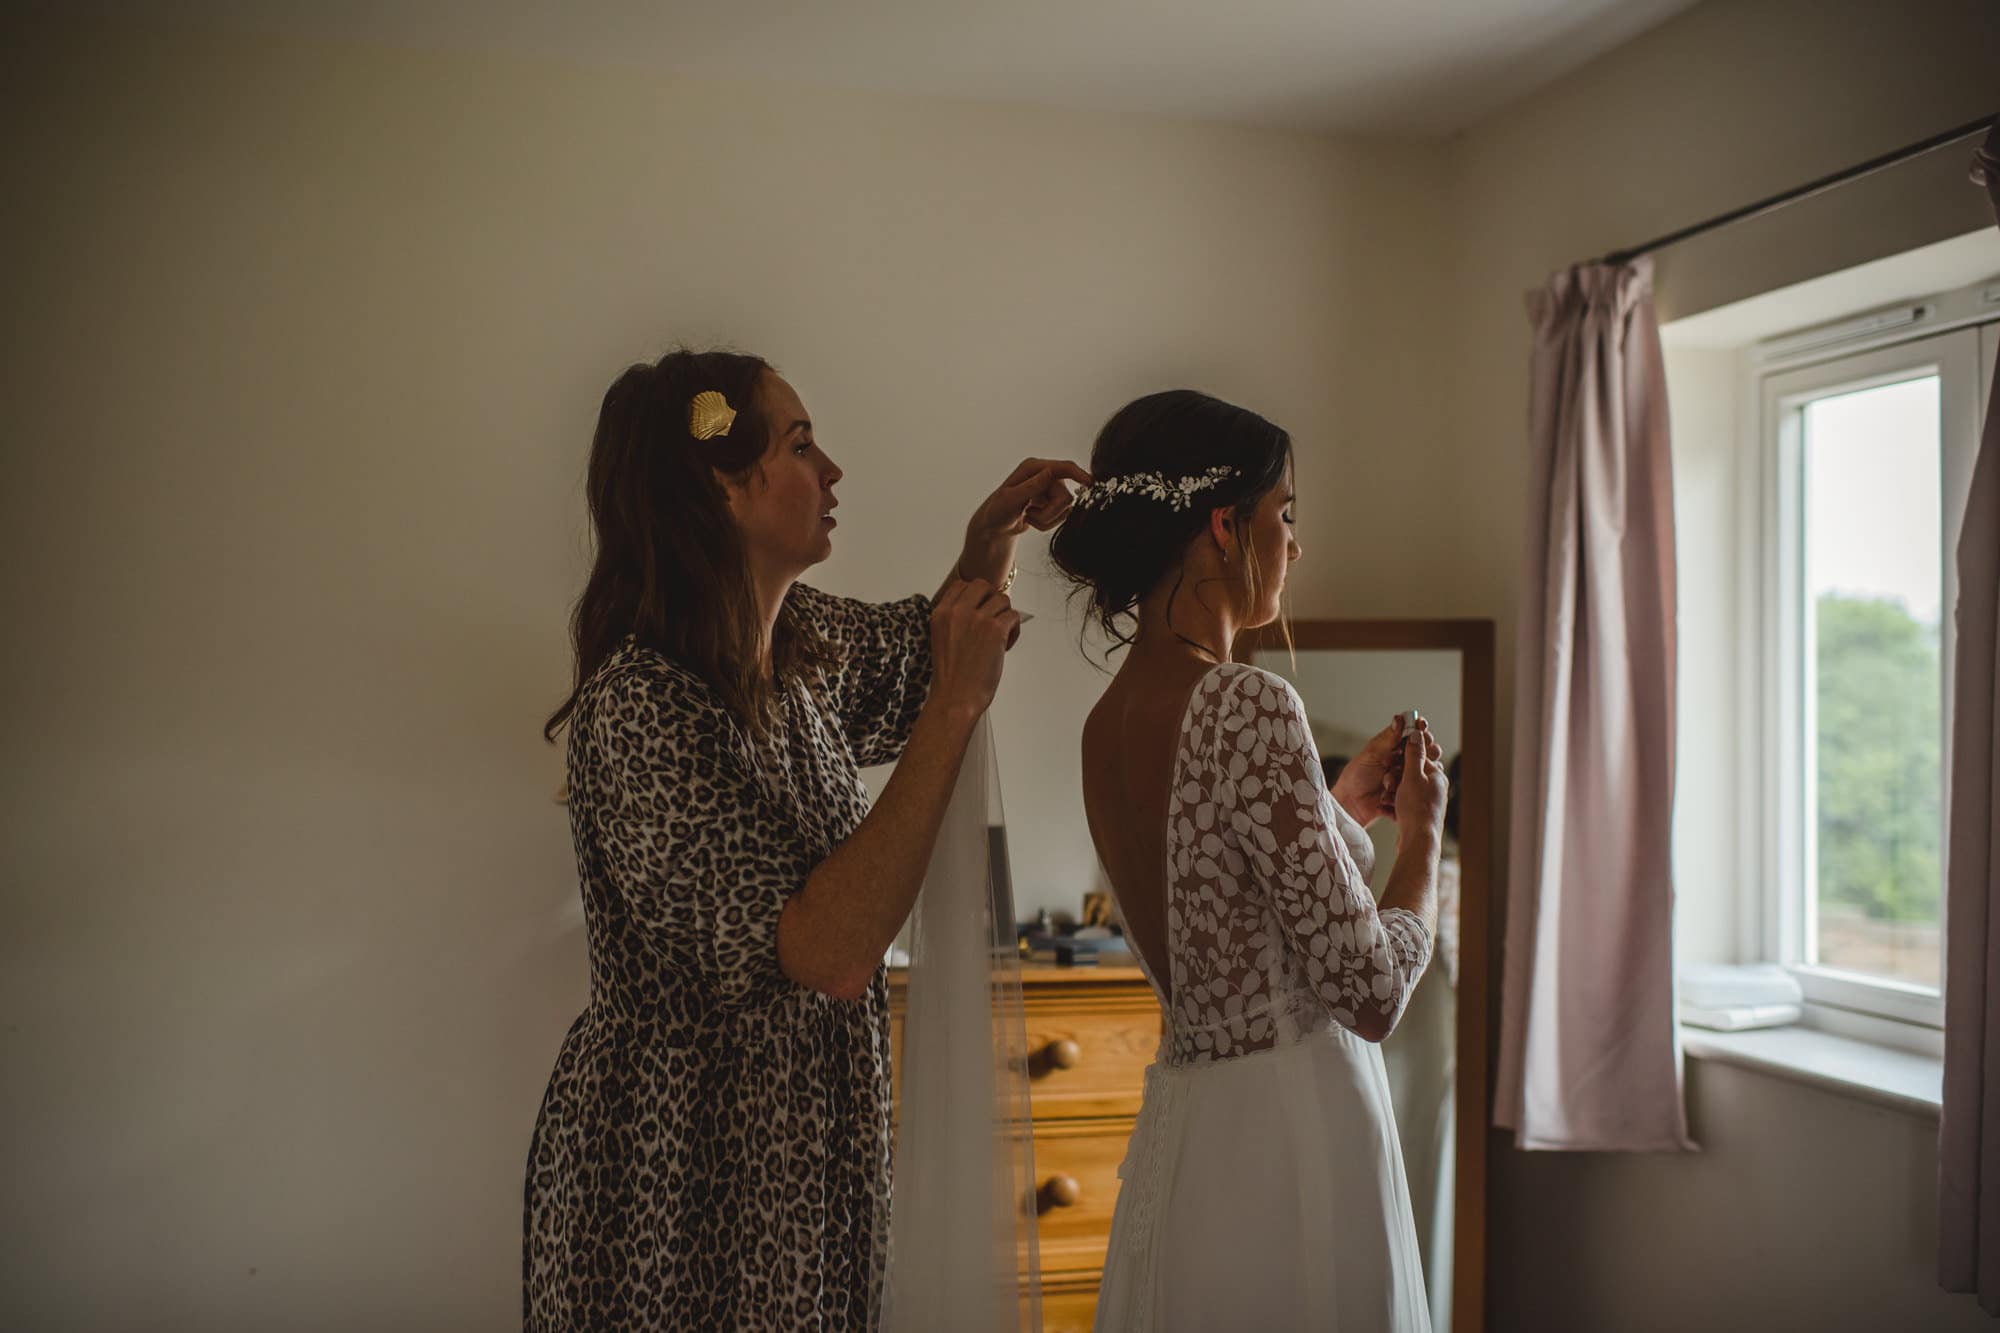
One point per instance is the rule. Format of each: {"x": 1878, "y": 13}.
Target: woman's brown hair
{"x": 671, "y": 568}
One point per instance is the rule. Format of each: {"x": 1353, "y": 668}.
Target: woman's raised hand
{"x": 1420, "y": 798}
{"x": 1035, "y": 495}
{"x": 971, "y": 627}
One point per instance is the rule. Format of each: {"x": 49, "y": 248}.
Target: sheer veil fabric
{"x": 962, "y": 1226}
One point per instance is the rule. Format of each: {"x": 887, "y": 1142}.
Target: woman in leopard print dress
{"x": 713, "y": 1150}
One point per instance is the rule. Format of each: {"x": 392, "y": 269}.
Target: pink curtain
{"x": 1969, "y": 1130}
{"x": 1589, "y": 1056}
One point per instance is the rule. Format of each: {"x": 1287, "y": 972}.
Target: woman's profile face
{"x": 1274, "y": 546}
{"x": 785, "y": 506}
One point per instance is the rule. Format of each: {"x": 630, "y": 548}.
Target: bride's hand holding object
{"x": 1366, "y": 788}
{"x": 1420, "y": 796}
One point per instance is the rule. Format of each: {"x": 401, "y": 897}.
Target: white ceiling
{"x": 1386, "y": 67}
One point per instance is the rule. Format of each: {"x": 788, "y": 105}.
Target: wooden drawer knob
{"x": 1060, "y": 1191}
{"x": 1065, "y": 1054}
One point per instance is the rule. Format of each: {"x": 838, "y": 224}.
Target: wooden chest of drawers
{"x": 1091, "y": 1033}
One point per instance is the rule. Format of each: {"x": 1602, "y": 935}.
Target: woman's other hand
{"x": 971, "y": 627}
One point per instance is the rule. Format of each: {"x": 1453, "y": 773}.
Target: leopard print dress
{"x": 713, "y": 1148}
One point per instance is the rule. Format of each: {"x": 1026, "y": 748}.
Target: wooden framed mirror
{"x": 1354, "y": 676}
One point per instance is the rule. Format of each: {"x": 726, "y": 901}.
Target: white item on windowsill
{"x": 1742, "y": 1018}
{"x": 1734, "y": 998}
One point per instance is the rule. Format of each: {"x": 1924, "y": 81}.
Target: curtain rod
{"x": 1806, "y": 191}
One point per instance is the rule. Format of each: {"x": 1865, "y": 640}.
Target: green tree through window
{"x": 1878, "y": 771}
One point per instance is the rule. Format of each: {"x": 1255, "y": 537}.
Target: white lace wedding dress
{"x": 1264, "y": 1187}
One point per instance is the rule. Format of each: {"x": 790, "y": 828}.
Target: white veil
{"x": 962, "y": 1221}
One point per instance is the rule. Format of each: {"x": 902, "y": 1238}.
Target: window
{"x": 1866, "y": 457}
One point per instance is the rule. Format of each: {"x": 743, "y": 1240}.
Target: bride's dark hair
{"x": 1118, "y": 550}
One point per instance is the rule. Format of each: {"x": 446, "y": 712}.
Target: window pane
{"x": 1874, "y": 588}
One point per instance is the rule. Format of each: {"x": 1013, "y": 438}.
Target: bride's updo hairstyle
{"x": 1116, "y": 546}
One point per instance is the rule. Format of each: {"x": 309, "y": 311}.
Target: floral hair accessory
{"x": 710, "y": 415}
{"x": 1178, "y": 492}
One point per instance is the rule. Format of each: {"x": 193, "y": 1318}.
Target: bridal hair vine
{"x": 1177, "y": 492}
{"x": 710, "y": 415}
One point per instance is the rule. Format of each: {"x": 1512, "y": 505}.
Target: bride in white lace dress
{"x": 1263, "y": 1187}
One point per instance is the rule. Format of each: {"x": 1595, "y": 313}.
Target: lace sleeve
{"x": 1361, "y": 962}
{"x": 1359, "y": 845}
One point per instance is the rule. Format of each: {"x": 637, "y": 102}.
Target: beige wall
{"x": 303, "y": 350}
{"x": 303, "y": 353}
{"x": 1789, "y": 1219}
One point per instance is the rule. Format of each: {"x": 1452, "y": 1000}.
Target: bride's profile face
{"x": 1273, "y": 545}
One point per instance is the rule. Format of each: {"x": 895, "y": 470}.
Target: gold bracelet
{"x": 1005, "y": 584}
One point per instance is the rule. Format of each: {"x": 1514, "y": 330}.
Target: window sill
{"x": 1902, "y": 1080}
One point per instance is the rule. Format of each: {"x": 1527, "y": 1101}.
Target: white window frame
{"x": 1941, "y": 338}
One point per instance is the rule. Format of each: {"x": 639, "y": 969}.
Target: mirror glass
{"x": 1350, "y": 694}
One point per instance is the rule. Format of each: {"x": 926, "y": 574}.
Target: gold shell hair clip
{"x": 710, "y": 415}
